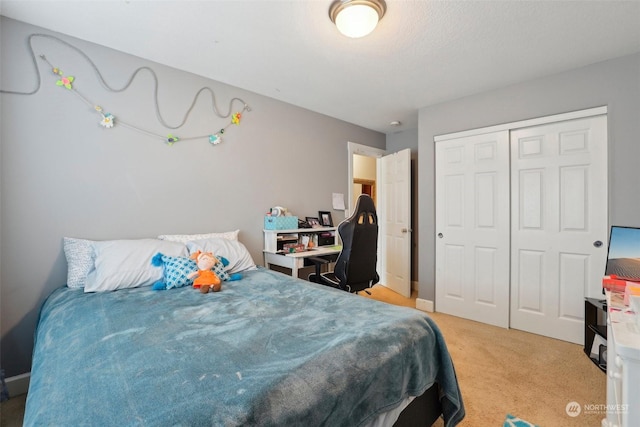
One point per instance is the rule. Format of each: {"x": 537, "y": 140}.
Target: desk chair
{"x": 355, "y": 268}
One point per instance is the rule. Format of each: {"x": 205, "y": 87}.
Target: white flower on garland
{"x": 107, "y": 120}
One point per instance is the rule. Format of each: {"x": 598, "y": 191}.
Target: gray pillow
{"x": 79, "y": 254}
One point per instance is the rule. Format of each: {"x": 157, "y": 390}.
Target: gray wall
{"x": 614, "y": 83}
{"x": 64, "y": 175}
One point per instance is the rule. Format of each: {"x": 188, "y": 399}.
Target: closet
{"x": 521, "y": 222}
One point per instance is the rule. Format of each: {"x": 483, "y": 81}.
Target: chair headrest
{"x": 365, "y": 211}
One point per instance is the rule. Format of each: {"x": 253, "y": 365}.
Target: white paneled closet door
{"x": 472, "y": 227}
{"x": 559, "y": 226}
{"x": 521, "y": 222}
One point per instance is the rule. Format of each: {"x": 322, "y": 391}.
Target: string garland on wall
{"x": 109, "y": 120}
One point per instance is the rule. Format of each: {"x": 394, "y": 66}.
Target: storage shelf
{"x": 322, "y": 236}
{"x": 595, "y": 324}
{"x": 599, "y": 329}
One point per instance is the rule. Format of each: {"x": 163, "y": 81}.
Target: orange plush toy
{"x": 206, "y": 279}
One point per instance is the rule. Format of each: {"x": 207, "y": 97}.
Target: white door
{"x": 559, "y": 214}
{"x": 472, "y": 227}
{"x": 394, "y": 219}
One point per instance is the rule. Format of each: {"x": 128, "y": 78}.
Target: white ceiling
{"x": 422, "y": 53}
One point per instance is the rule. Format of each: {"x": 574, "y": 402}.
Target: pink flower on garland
{"x": 235, "y": 119}
{"x": 65, "y": 81}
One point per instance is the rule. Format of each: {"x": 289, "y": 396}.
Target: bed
{"x": 268, "y": 350}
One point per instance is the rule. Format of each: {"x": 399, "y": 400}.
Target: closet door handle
{"x": 440, "y": 235}
{"x": 597, "y": 243}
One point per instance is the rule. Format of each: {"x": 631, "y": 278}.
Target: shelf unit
{"x": 595, "y": 325}
{"x": 275, "y": 239}
{"x": 325, "y": 239}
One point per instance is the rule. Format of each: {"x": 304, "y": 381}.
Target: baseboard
{"x": 19, "y": 384}
{"x": 414, "y": 285}
{"x": 424, "y": 305}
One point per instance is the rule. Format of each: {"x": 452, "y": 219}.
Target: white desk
{"x": 295, "y": 261}
{"x": 274, "y": 240}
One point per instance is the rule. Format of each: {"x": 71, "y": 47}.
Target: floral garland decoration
{"x": 108, "y": 120}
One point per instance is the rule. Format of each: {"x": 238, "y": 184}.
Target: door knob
{"x": 440, "y": 235}
{"x": 597, "y": 243}
{"x": 406, "y": 230}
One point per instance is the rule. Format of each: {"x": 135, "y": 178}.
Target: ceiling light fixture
{"x": 357, "y": 18}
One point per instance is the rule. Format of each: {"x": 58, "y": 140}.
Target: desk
{"x": 325, "y": 240}
{"x": 623, "y": 364}
{"x": 295, "y": 261}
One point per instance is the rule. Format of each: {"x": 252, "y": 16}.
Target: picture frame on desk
{"x": 325, "y": 218}
{"x": 313, "y": 222}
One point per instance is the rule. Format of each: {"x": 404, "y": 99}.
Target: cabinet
{"x": 595, "y": 330}
{"x": 623, "y": 367}
{"x": 325, "y": 243}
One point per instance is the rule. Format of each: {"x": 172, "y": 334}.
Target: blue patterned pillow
{"x": 176, "y": 270}
{"x": 219, "y": 269}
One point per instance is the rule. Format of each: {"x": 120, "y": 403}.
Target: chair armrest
{"x": 318, "y": 262}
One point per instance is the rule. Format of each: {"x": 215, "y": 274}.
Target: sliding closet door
{"x": 472, "y": 227}
{"x": 558, "y": 218}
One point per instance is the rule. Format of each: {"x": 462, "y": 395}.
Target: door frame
{"x": 579, "y": 114}
{"x": 363, "y": 150}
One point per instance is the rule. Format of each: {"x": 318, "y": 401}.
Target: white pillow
{"x": 79, "y": 254}
{"x": 234, "y": 251}
{"x": 184, "y": 238}
{"x": 123, "y": 264}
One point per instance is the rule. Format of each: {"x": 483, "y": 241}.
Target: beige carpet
{"x": 503, "y": 371}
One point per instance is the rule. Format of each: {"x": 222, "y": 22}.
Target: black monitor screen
{"x": 623, "y": 259}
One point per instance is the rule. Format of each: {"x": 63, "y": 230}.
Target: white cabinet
{"x": 623, "y": 365}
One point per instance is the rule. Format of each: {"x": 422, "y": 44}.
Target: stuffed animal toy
{"x": 179, "y": 271}
{"x": 210, "y": 271}
{"x": 205, "y": 278}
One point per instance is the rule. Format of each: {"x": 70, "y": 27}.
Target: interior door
{"x": 472, "y": 227}
{"x": 559, "y": 214}
{"x": 394, "y": 219}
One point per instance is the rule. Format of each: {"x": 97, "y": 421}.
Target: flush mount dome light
{"x": 357, "y": 18}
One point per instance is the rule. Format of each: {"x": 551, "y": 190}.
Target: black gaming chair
{"x": 355, "y": 268}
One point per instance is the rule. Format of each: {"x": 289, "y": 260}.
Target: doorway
{"x": 364, "y": 186}
{"x": 389, "y": 180}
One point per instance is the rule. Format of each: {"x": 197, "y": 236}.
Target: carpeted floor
{"x": 506, "y": 371}
{"x": 12, "y": 411}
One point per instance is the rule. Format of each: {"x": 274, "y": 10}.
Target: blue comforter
{"x": 268, "y": 350}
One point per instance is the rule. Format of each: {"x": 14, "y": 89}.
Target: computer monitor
{"x": 623, "y": 258}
